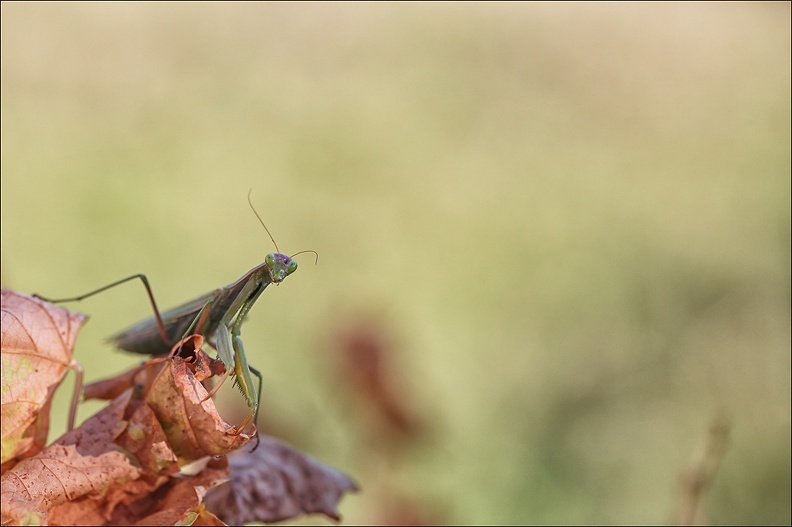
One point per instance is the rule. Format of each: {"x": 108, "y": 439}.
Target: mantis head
{"x": 280, "y": 266}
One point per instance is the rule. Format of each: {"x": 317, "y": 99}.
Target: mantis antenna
{"x": 308, "y": 251}
{"x": 261, "y": 221}
{"x": 270, "y": 234}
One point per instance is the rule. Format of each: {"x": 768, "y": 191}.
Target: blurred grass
{"x": 576, "y": 218}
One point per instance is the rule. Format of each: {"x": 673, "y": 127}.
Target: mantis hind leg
{"x": 196, "y": 325}
{"x": 142, "y": 277}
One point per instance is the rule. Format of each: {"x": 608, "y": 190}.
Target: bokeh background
{"x": 554, "y": 239}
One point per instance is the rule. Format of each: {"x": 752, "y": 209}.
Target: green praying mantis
{"x": 218, "y": 314}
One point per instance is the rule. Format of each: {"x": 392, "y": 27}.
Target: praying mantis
{"x": 218, "y": 314}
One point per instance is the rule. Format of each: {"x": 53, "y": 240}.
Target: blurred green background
{"x": 571, "y": 223}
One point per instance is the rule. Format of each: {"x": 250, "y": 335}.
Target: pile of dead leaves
{"x": 158, "y": 454}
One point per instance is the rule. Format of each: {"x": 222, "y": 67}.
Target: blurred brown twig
{"x": 699, "y": 474}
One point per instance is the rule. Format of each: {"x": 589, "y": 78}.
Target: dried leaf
{"x": 192, "y": 424}
{"x": 277, "y": 482}
{"x": 172, "y": 389}
{"x": 176, "y": 501}
{"x": 111, "y": 468}
{"x": 121, "y": 466}
{"x": 206, "y": 518}
{"x": 37, "y": 344}
{"x": 202, "y": 366}
{"x": 158, "y": 495}
{"x": 83, "y": 463}
{"x": 109, "y": 389}
{"x": 181, "y": 501}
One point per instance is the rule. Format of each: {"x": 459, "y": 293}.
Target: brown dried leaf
{"x": 203, "y": 367}
{"x": 172, "y": 389}
{"x": 277, "y": 482}
{"x": 37, "y": 344}
{"x": 82, "y": 464}
{"x": 120, "y": 466}
{"x": 158, "y": 496}
{"x": 113, "y": 466}
{"x": 206, "y": 518}
{"x": 176, "y": 501}
{"x": 192, "y": 424}
{"x": 109, "y": 389}
{"x": 181, "y": 501}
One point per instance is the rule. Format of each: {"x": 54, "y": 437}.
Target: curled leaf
{"x": 172, "y": 388}
{"x": 277, "y": 482}
{"x": 191, "y": 422}
{"x": 37, "y": 345}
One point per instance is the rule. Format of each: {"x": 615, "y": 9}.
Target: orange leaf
{"x": 194, "y": 428}
{"x": 171, "y": 387}
{"x": 82, "y": 464}
{"x": 179, "y": 502}
{"x": 109, "y": 389}
{"x": 37, "y": 344}
{"x": 121, "y": 466}
{"x": 118, "y": 467}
